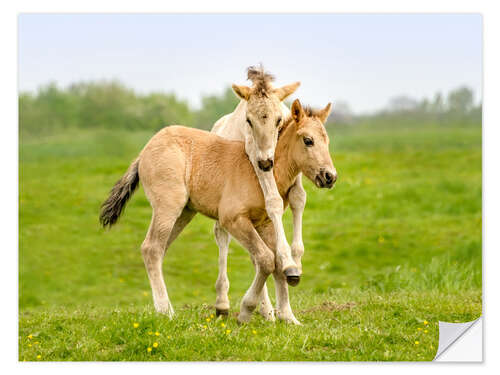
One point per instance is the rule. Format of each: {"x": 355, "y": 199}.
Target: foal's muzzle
{"x": 325, "y": 179}
{"x": 266, "y": 165}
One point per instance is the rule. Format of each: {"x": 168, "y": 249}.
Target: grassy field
{"x": 393, "y": 249}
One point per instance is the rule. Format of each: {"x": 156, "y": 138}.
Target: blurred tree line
{"x": 457, "y": 108}
{"x": 111, "y": 105}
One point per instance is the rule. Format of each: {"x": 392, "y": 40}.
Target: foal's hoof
{"x": 292, "y": 276}
{"x": 223, "y": 313}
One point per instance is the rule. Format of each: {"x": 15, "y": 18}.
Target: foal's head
{"x": 264, "y": 113}
{"x": 310, "y": 145}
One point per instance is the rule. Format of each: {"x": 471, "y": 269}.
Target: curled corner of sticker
{"x": 460, "y": 342}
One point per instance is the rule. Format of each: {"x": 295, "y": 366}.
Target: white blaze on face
{"x": 256, "y": 154}
{"x": 262, "y": 118}
{"x": 266, "y": 140}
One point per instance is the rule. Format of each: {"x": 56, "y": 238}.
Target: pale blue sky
{"x": 361, "y": 59}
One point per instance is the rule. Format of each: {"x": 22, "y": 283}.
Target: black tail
{"x": 112, "y": 208}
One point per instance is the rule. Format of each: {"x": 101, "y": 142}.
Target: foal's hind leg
{"x": 169, "y": 218}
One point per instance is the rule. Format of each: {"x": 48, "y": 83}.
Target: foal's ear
{"x": 325, "y": 112}
{"x": 283, "y": 92}
{"x": 243, "y": 92}
{"x": 297, "y": 111}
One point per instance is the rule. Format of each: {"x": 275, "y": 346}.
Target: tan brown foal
{"x": 184, "y": 171}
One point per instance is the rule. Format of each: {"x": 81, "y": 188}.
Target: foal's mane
{"x": 311, "y": 112}
{"x": 261, "y": 79}
{"x": 308, "y": 111}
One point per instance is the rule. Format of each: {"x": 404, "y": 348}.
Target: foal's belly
{"x": 203, "y": 209}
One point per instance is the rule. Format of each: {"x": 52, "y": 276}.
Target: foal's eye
{"x": 278, "y": 122}
{"x": 308, "y": 141}
{"x": 249, "y": 122}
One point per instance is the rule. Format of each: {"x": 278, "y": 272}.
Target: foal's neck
{"x": 286, "y": 168}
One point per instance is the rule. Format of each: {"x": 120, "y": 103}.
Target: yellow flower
{"x": 157, "y": 333}
{"x": 254, "y": 331}
{"x": 207, "y": 319}
{"x": 417, "y": 342}
{"x": 419, "y": 328}
{"x": 426, "y": 322}
{"x": 212, "y": 316}
{"x": 155, "y": 345}
{"x": 30, "y": 336}
{"x": 149, "y": 350}
{"x": 425, "y": 331}
{"x": 222, "y": 325}
{"x": 38, "y": 356}
{"x": 228, "y": 331}
{"x": 169, "y": 337}
{"x": 150, "y": 333}
{"x": 136, "y": 325}
{"x": 29, "y": 345}
{"x": 36, "y": 343}
{"x": 204, "y": 326}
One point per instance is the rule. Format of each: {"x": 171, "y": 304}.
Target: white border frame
{"x": 9, "y": 153}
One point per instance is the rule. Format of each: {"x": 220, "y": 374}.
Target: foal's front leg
{"x": 222, "y": 239}
{"x": 283, "y": 308}
{"x": 222, "y": 284}
{"x": 274, "y": 208}
{"x": 297, "y": 200}
{"x": 266, "y": 307}
{"x": 243, "y": 230}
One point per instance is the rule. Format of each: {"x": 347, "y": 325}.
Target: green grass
{"x": 396, "y": 243}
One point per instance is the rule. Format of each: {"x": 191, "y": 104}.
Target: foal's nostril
{"x": 328, "y": 177}
{"x": 266, "y": 165}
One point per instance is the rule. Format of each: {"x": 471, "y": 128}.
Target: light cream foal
{"x": 184, "y": 171}
{"x": 238, "y": 126}
{"x": 261, "y": 113}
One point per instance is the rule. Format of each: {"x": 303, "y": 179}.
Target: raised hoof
{"x": 292, "y": 276}
{"x": 223, "y": 313}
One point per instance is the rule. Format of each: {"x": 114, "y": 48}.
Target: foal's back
{"x": 201, "y": 166}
